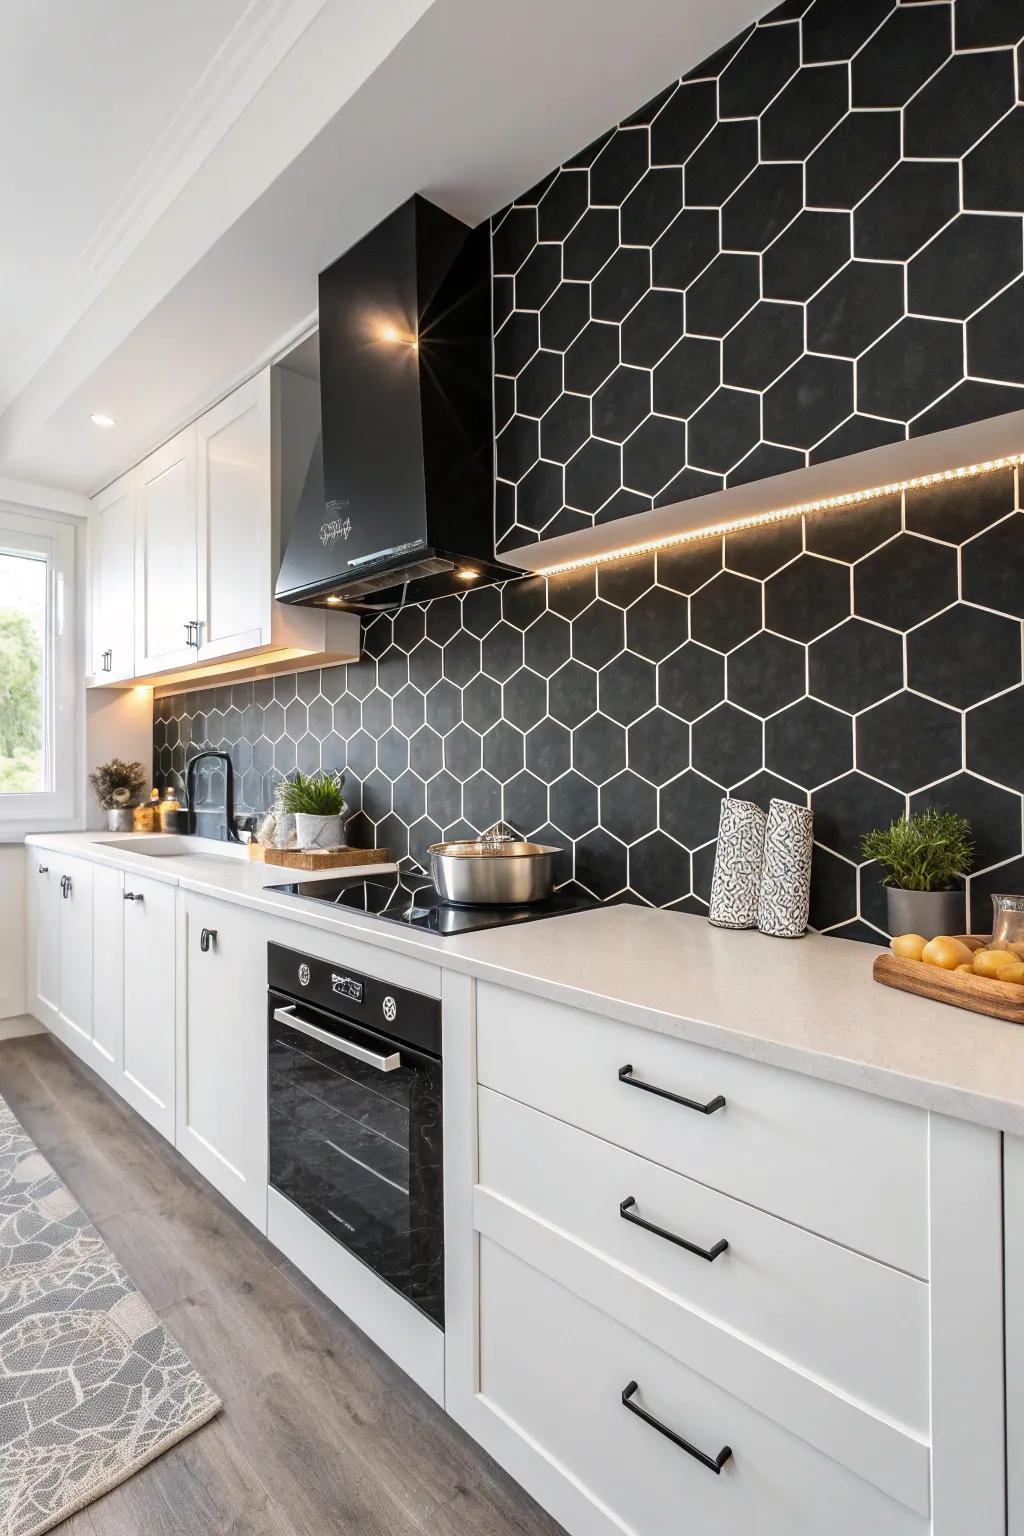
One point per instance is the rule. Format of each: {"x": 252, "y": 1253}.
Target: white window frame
{"x": 56, "y": 807}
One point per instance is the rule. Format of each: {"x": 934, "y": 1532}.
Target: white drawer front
{"x": 556, "y": 1368}
{"x": 843, "y": 1319}
{"x": 847, "y": 1165}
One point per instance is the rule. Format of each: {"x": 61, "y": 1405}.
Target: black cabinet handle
{"x": 711, "y": 1254}
{"x": 132, "y": 895}
{"x": 207, "y": 939}
{"x": 44, "y": 869}
{"x": 713, "y": 1463}
{"x": 65, "y": 886}
{"x": 626, "y": 1076}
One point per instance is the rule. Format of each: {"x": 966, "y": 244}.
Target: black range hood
{"x": 398, "y": 506}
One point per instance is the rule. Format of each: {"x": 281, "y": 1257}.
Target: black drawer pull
{"x": 711, "y": 1254}
{"x": 713, "y": 1463}
{"x": 626, "y": 1076}
{"x": 207, "y": 937}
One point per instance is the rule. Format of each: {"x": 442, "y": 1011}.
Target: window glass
{"x": 23, "y": 684}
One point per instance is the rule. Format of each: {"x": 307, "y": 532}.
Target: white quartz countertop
{"x": 808, "y": 1004}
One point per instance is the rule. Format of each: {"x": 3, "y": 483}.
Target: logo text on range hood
{"x": 333, "y": 530}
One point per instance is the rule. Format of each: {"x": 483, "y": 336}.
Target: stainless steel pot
{"x": 495, "y": 870}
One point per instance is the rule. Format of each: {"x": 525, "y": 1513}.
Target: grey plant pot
{"x": 928, "y": 913}
{"x": 120, "y": 818}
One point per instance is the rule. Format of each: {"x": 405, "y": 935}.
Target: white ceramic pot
{"x": 318, "y": 831}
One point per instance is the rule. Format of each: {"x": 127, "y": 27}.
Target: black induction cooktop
{"x": 413, "y": 901}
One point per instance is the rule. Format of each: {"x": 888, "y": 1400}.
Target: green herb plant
{"x": 318, "y": 794}
{"x": 923, "y": 853}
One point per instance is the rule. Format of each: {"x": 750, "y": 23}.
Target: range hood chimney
{"x": 405, "y": 510}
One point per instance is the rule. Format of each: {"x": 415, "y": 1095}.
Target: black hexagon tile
{"x": 744, "y": 277}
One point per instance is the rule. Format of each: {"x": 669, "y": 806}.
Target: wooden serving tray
{"x": 325, "y": 858}
{"x": 999, "y": 999}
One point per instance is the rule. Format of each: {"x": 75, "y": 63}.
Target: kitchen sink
{"x": 161, "y": 845}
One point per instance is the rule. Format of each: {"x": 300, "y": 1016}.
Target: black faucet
{"x": 225, "y": 832}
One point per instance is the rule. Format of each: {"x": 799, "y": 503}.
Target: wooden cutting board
{"x": 999, "y": 999}
{"x": 325, "y": 858}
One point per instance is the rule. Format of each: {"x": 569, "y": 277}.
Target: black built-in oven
{"x": 355, "y": 1117}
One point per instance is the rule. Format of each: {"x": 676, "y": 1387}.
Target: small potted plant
{"x": 118, "y": 787}
{"x": 925, "y": 857}
{"x": 317, "y": 805}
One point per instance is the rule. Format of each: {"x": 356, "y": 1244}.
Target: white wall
{"x": 118, "y": 723}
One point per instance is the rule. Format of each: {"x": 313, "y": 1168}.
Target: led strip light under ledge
{"x": 825, "y": 504}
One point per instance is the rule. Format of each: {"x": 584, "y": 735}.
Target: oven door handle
{"x": 289, "y": 1017}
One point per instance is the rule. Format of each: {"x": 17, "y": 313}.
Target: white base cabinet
{"x": 657, "y": 1273}
{"x": 656, "y": 1318}
{"x": 221, "y": 1124}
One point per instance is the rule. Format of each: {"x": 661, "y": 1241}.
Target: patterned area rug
{"x": 92, "y": 1386}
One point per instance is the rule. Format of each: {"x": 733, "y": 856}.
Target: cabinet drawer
{"x": 556, "y": 1368}
{"x": 847, "y": 1321}
{"x": 844, "y": 1164}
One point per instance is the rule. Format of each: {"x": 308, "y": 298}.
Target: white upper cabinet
{"x": 165, "y": 557}
{"x": 112, "y": 534}
{"x": 190, "y": 544}
{"x": 235, "y": 521}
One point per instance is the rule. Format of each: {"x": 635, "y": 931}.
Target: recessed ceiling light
{"x": 98, "y": 419}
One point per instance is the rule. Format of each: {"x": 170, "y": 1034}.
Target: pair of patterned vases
{"x": 762, "y": 876}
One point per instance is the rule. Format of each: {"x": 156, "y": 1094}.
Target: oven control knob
{"x": 303, "y": 975}
{"x": 390, "y": 1009}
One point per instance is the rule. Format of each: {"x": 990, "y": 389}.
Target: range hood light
{"x": 740, "y": 524}
{"x": 467, "y": 574}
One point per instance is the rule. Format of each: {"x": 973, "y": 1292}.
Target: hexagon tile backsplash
{"x": 809, "y": 246}
{"x": 865, "y": 662}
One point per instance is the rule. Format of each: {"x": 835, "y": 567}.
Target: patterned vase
{"x": 737, "y": 873}
{"x": 785, "y": 895}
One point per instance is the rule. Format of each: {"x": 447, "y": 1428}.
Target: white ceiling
{"x": 179, "y": 174}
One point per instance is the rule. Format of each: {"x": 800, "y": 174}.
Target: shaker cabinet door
{"x": 234, "y": 515}
{"x": 147, "y": 1076}
{"x": 166, "y": 616}
{"x": 112, "y": 536}
{"x": 222, "y": 1052}
{"x": 44, "y": 897}
{"x": 76, "y": 953}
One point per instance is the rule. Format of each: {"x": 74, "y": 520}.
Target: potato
{"x": 967, "y": 970}
{"x": 908, "y": 946}
{"x": 990, "y": 962}
{"x": 1014, "y": 973}
{"x": 946, "y": 952}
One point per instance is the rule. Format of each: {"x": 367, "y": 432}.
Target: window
{"x": 38, "y": 711}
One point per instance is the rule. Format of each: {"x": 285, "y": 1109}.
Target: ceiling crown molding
{"x": 263, "y": 35}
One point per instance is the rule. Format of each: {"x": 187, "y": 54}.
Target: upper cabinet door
{"x": 234, "y": 463}
{"x": 112, "y": 531}
{"x": 166, "y": 616}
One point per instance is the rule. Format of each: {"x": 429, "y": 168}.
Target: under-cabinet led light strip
{"x": 825, "y": 504}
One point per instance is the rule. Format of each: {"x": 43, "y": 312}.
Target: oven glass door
{"x": 355, "y": 1142}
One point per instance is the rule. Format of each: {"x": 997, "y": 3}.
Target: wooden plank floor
{"x": 320, "y": 1432}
